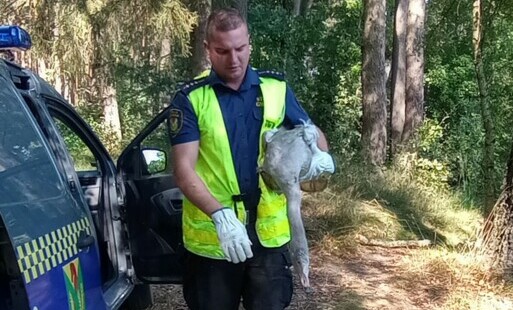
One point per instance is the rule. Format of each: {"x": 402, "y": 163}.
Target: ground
{"x": 371, "y": 278}
{"x": 364, "y": 280}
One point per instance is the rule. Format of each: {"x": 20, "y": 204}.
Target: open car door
{"x": 153, "y": 204}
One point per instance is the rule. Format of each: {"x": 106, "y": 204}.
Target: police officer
{"x": 235, "y": 230}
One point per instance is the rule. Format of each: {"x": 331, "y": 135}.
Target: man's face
{"x": 229, "y": 54}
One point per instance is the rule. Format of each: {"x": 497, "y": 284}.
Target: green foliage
{"x": 452, "y": 95}
{"x": 143, "y": 52}
{"x": 321, "y": 55}
{"x": 432, "y": 166}
{"x": 132, "y": 48}
{"x": 82, "y": 156}
{"x": 453, "y": 101}
{"x": 143, "y": 91}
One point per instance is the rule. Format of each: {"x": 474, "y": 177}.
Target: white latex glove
{"x": 321, "y": 163}
{"x": 232, "y": 236}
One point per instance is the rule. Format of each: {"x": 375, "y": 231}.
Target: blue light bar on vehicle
{"x": 14, "y": 38}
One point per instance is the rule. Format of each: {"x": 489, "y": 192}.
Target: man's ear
{"x": 206, "y": 50}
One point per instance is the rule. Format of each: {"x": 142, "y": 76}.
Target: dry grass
{"x": 394, "y": 207}
{"x": 457, "y": 280}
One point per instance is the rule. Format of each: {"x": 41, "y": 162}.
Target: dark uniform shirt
{"x": 242, "y": 113}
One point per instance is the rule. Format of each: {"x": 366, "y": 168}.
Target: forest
{"x": 415, "y": 98}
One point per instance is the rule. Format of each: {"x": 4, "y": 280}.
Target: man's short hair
{"x": 224, "y": 20}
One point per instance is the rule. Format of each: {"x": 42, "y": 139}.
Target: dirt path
{"x": 369, "y": 279}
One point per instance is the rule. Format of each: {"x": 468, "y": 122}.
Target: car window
{"x": 27, "y": 172}
{"x": 83, "y": 158}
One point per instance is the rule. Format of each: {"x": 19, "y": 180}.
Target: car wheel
{"x": 12, "y": 289}
{"x": 140, "y": 298}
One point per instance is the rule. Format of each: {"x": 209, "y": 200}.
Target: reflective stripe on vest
{"x": 216, "y": 168}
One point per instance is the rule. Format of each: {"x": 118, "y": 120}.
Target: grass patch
{"x": 457, "y": 280}
{"x": 391, "y": 205}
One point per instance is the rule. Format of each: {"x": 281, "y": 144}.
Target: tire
{"x": 140, "y": 298}
{"x": 12, "y": 290}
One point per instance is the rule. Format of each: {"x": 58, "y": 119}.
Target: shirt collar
{"x": 250, "y": 79}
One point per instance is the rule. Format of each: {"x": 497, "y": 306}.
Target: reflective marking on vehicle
{"x": 40, "y": 255}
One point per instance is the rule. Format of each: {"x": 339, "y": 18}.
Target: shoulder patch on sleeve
{"x": 175, "y": 121}
{"x": 271, "y": 73}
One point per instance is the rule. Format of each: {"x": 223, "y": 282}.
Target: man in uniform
{"x": 236, "y": 230}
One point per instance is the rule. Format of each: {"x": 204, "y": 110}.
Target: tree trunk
{"x": 301, "y": 7}
{"x": 110, "y": 107}
{"x": 374, "y": 135}
{"x": 164, "y": 64}
{"x": 486, "y": 113}
{"x": 199, "y": 60}
{"x": 414, "y": 112}
{"x": 398, "y": 75}
{"x": 241, "y": 5}
{"x": 496, "y": 236}
{"x": 307, "y": 4}
{"x": 104, "y": 92}
{"x": 297, "y": 8}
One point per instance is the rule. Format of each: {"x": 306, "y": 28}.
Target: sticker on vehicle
{"x": 74, "y": 285}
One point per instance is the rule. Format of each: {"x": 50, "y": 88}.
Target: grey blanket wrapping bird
{"x": 292, "y": 157}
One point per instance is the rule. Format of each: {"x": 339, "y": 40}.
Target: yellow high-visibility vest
{"x": 216, "y": 168}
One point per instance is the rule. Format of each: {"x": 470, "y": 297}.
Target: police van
{"x": 78, "y": 231}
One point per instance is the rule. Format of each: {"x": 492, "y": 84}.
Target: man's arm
{"x": 322, "y": 142}
{"x": 185, "y": 156}
{"x": 232, "y": 235}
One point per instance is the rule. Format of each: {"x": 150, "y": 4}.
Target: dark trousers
{"x": 264, "y": 282}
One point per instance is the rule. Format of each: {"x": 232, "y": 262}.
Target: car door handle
{"x": 84, "y": 240}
